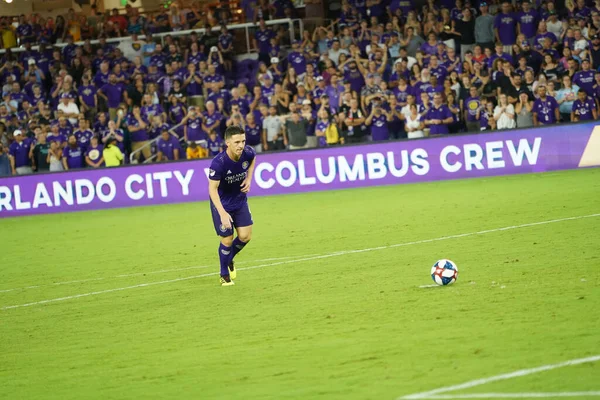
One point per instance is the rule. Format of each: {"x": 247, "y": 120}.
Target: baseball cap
{"x": 306, "y": 102}
{"x": 17, "y": 133}
{"x": 595, "y": 37}
{"x": 319, "y": 78}
{"x": 214, "y": 48}
{"x": 525, "y": 43}
{"x": 483, "y": 4}
{"x": 65, "y": 96}
{"x": 370, "y": 76}
{"x": 31, "y": 61}
{"x": 274, "y": 60}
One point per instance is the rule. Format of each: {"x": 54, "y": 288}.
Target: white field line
{"x": 316, "y": 257}
{"x": 512, "y": 395}
{"x": 162, "y": 271}
{"x": 516, "y": 374}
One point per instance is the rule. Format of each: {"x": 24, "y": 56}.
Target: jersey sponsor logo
{"x": 245, "y": 164}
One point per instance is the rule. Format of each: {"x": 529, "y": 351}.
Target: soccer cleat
{"x": 232, "y": 271}
{"x": 226, "y": 281}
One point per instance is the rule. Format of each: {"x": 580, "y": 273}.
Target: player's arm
{"x": 248, "y": 181}
{"x": 213, "y": 192}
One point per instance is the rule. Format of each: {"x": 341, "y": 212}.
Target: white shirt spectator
{"x": 503, "y": 121}
{"x": 582, "y": 45}
{"x": 335, "y": 55}
{"x": 272, "y": 124}
{"x": 410, "y": 62}
{"x": 70, "y": 108}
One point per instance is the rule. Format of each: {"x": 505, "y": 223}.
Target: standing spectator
{"x": 465, "y": 28}
{"x": 545, "y": 109}
{"x": 112, "y": 94}
{"x": 39, "y": 154}
{"x": 505, "y": 28}
{"x": 504, "y": 114}
{"x": 565, "y": 98}
{"x": 69, "y": 108}
{"x": 261, "y": 40}
{"x": 113, "y": 157}
{"x": 272, "y": 135}
{"x": 585, "y": 78}
{"x": 5, "y": 169}
{"x": 471, "y": 107}
{"x": 584, "y": 108}
{"x": 378, "y": 120}
{"x": 72, "y": 155}
{"x": 295, "y": 131}
{"x": 484, "y": 28}
{"x": 524, "y": 111}
{"x": 55, "y": 157}
{"x": 19, "y": 152}
{"x": 137, "y": 126}
{"x": 414, "y": 125}
{"x": 93, "y": 154}
{"x": 527, "y": 21}
{"x": 438, "y": 117}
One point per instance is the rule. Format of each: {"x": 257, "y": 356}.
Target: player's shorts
{"x": 241, "y": 217}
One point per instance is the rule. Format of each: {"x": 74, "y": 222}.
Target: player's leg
{"x": 242, "y": 220}
{"x": 226, "y": 236}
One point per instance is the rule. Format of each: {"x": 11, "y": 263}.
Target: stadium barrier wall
{"x": 550, "y": 148}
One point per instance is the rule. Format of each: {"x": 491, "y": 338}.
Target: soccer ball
{"x": 444, "y": 272}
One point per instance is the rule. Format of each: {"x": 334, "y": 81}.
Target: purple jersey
{"x": 60, "y": 139}
{"x": 441, "y": 113}
{"x": 194, "y": 129}
{"x": 539, "y": 39}
{"x": 583, "y": 109}
{"x": 141, "y": 135}
{"x": 472, "y": 104}
{"x": 545, "y": 110}
{"x": 168, "y": 147}
{"x": 20, "y": 152}
{"x": 113, "y": 93}
{"x": 402, "y": 94}
{"x": 253, "y": 134}
{"x": 585, "y": 80}
{"x": 214, "y": 146}
{"x": 528, "y": 22}
{"x": 379, "y": 128}
{"x": 95, "y": 153}
{"x": 231, "y": 174}
{"x": 84, "y": 137}
{"x": 152, "y": 111}
{"x": 88, "y": 94}
{"x": 74, "y": 156}
{"x": 263, "y": 38}
{"x": 506, "y": 25}
{"x": 297, "y": 61}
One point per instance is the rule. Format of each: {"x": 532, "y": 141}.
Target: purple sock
{"x": 224, "y": 257}
{"x": 237, "y": 246}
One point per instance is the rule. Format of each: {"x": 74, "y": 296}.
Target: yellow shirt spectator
{"x": 198, "y": 152}
{"x": 9, "y": 39}
{"x": 112, "y": 156}
{"x": 75, "y": 29}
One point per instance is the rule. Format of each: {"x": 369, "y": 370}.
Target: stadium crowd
{"x": 382, "y": 70}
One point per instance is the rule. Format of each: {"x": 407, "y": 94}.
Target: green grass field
{"x": 302, "y": 322}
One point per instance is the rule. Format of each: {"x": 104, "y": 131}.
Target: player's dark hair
{"x": 232, "y": 131}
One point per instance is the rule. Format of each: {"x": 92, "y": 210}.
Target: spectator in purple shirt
{"x": 505, "y": 27}
{"x": 112, "y": 93}
{"x": 168, "y": 147}
{"x": 527, "y": 21}
{"x": 72, "y": 155}
{"x": 18, "y": 151}
{"x": 545, "y": 109}
{"x": 438, "y": 117}
{"x": 93, "y": 154}
{"x": 584, "y": 108}
{"x": 137, "y": 126}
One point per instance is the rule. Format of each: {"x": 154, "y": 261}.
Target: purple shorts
{"x": 240, "y": 216}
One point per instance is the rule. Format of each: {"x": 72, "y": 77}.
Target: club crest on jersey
{"x": 211, "y": 172}
{"x": 245, "y": 165}
{"x": 222, "y": 228}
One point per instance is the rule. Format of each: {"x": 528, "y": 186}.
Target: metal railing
{"x": 233, "y": 27}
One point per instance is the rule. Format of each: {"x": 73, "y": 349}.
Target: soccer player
{"x": 230, "y": 177}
